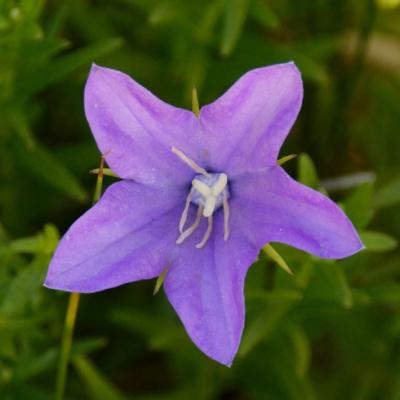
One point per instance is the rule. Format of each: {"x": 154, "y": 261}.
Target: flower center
{"x": 209, "y": 192}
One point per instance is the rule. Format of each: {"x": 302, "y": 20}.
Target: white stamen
{"x": 207, "y": 234}
{"x": 201, "y": 187}
{"x": 190, "y": 162}
{"x": 209, "y": 192}
{"x": 184, "y": 215}
{"x": 225, "y": 205}
{"x": 191, "y": 228}
{"x": 209, "y": 207}
{"x": 219, "y": 186}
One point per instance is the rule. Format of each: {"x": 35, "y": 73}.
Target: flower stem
{"x": 72, "y": 311}
{"x": 66, "y": 344}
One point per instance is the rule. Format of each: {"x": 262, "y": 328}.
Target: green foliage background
{"x": 332, "y": 331}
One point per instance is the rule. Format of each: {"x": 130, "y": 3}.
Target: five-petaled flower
{"x": 199, "y": 195}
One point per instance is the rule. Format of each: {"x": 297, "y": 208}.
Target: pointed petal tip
{"x": 226, "y": 361}
{"x": 228, "y": 364}
{"x": 48, "y": 284}
{"x": 360, "y": 246}
{"x": 95, "y": 69}
{"x": 292, "y": 68}
{"x": 51, "y": 283}
{"x": 100, "y": 71}
{"x": 355, "y": 247}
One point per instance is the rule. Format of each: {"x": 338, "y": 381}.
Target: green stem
{"x": 72, "y": 311}
{"x": 66, "y": 344}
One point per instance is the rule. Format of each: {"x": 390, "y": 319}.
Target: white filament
{"x": 184, "y": 215}
{"x": 225, "y": 204}
{"x": 185, "y": 234}
{"x": 207, "y": 234}
{"x": 190, "y": 162}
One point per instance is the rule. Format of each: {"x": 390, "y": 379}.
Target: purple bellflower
{"x": 199, "y": 196}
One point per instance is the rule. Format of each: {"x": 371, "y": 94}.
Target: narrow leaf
{"x": 358, "y": 205}
{"x": 58, "y": 69}
{"x": 235, "y": 17}
{"x": 97, "y": 385}
{"x": 267, "y": 320}
{"x": 302, "y": 350}
{"x": 307, "y": 171}
{"x": 39, "y": 162}
{"x": 378, "y": 241}
{"x": 388, "y": 195}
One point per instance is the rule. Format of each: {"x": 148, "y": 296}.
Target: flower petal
{"x": 246, "y": 127}
{"x": 205, "y": 287}
{"x": 127, "y": 236}
{"x": 275, "y": 208}
{"x": 135, "y": 130}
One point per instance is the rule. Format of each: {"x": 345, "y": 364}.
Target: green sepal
{"x": 106, "y": 172}
{"x": 285, "y": 159}
{"x": 195, "y": 103}
{"x": 160, "y": 281}
{"x": 271, "y": 252}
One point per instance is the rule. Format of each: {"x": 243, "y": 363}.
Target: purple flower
{"x": 198, "y": 196}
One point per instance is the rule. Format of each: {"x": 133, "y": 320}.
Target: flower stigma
{"x": 209, "y": 192}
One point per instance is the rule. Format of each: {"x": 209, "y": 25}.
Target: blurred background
{"x": 332, "y": 331}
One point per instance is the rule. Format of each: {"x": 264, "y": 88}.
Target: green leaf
{"x": 138, "y": 322}
{"x": 302, "y": 350}
{"x": 44, "y": 242}
{"x": 35, "y": 366}
{"x": 275, "y": 305}
{"x": 307, "y": 171}
{"x": 388, "y": 4}
{"x": 88, "y": 345}
{"x": 264, "y": 15}
{"x": 341, "y": 286}
{"x": 388, "y": 195}
{"x": 235, "y": 17}
{"x": 170, "y": 337}
{"x": 330, "y": 284}
{"x": 204, "y": 31}
{"x": 97, "y": 385}
{"x": 32, "y": 366}
{"x": 21, "y": 290}
{"x": 39, "y": 162}
{"x": 164, "y": 13}
{"x": 387, "y": 294}
{"x": 378, "y": 241}
{"x": 30, "y": 245}
{"x": 52, "y": 72}
{"x": 358, "y": 205}
{"x": 274, "y": 296}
